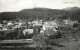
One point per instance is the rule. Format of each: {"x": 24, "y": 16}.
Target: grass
{"x": 68, "y": 42}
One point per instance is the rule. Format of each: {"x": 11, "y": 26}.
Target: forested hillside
{"x": 42, "y": 13}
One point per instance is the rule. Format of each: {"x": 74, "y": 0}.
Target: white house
{"x": 50, "y": 25}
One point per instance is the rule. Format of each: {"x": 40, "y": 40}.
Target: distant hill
{"x": 42, "y": 13}
{"x": 72, "y": 8}
{"x": 8, "y": 15}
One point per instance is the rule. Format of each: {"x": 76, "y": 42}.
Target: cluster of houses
{"x": 7, "y": 25}
{"x": 36, "y": 26}
{"x": 43, "y": 24}
{"x": 54, "y": 25}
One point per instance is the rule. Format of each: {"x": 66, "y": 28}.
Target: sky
{"x": 17, "y": 5}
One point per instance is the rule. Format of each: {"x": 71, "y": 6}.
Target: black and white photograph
{"x": 39, "y": 24}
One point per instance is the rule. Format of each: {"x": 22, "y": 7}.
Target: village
{"x": 51, "y": 24}
{"x": 30, "y": 31}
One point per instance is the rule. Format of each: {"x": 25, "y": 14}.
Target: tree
{"x": 75, "y": 25}
{"x": 41, "y": 41}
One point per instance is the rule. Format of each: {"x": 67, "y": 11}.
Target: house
{"x": 50, "y": 32}
{"x": 69, "y": 22}
{"x": 50, "y": 25}
{"x": 9, "y": 23}
{"x": 37, "y": 23}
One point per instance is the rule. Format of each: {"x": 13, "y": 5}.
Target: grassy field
{"x": 67, "y": 42}
{"x": 67, "y": 45}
